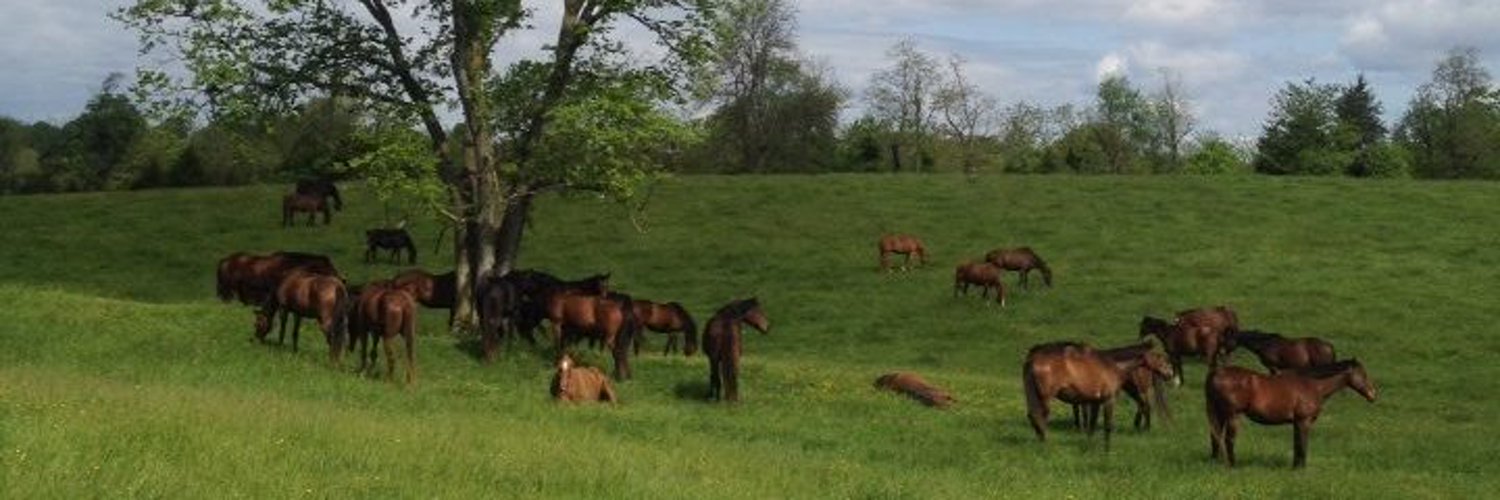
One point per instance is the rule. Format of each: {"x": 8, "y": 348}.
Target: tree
{"x": 1299, "y": 137}
{"x": 1122, "y": 124}
{"x": 1212, "y": 155}
{"x": 1359, "y": 118}
{"x": 245, "y": 56}
{"x": 754, "y": 54}
{"x": 968, "y": 115}
{"x": 1023, "y": 137}
{"x": 1452, "y": 126}
{"x": 901, "y": 95}
{"x": 1172, "y": 115}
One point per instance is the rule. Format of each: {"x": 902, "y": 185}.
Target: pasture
{"x": 122, "y": 376}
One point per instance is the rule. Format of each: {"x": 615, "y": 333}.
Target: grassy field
{"x": 122, "y": 376}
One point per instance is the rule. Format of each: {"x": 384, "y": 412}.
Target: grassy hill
{"x": 121, "y": 375}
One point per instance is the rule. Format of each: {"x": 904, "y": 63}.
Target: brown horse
{"x": 383, "y": 312}
{"x": 581, "y": 383}
{"x": 433, "y": 291}
{"x": 364, "y": 318}
{"x": 915, "y": 387}
{"x": 722, "y": 344}
{"x": 904, "y": 244}
{"x": 254, "y": 278}
{"x": 393, "y": 240}
{"x": 1279, "y": 353}
{"x": 608, "y": 319}
{"x": 1021, "y": 260}
{"x": 669, "y": 318}
{"x": 322, "y": 188}
{"x": 293, "y": 203}
{"x": 984, "y": 274}
{"x": 1208, "y": 333}
{"x": 305, "y": 294}
{"x": 1143, "y": 385}
{"x": 1076, "y": 373}
{"x": 1291, "y": 397}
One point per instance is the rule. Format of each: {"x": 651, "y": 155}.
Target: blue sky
{"x": 1232, "y": 55}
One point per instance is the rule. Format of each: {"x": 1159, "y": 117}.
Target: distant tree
{"x": 1122, "y": 125}
{"x": 1212, "y": 155}
{"x": 1299, "y": 137}
{"x": 1172, "y": 116}
{"x": 967, "y": 116}
{"x": 1452, "y": 126}
{"x": 861, "y": 144}
{"x": 1359, "y": 118}
{"x": 1023, "y": 137}
{"x": 901, "y": 96}
{"x": 754, "y": 48}
{"x": 98, "y": 139}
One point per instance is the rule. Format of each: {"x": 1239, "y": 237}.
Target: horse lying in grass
{"x": 581, "y": 383}
{"x": 915, "y": 387}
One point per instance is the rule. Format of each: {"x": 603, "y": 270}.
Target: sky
{"x": 1232, "y": 55}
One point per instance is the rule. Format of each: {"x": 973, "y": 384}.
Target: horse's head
{"x": 1153, "y": 326}
{"x": 1359, "y": 381}
{"x": 755, "y": 316}
{"x": 262, "y": 324}
{"x": 564, "y": 362}
{"x": 1157, "y": 363}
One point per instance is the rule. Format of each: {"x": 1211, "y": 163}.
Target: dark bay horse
{"x": 1289, "y": 397}
{"x": 533, "y": 289}
{"x": 1143, "y": 385}
{"x": 983, "y": 274}
{"x": 254, "y": 278}
{"x": 322, "y": 188}
{"x": 1279, "y": 353}
{"x": 607, "y": 320}
{"x": 1078, "y": 374}
{"x": 293, "y": 203}
{"x": 1021, "y": 260}
{"x": 394, "y": 240}
{"x": 433, "y": 291}
{"x": 383, "y": 313}
{"x": 722, "y": 344}
{"x": 1208, "y": 333}
{"x": 903, "y": 244}
{"x": 669, "y": 318}
{"x": 498, "y": 303}
{"x": 303, "y": 294}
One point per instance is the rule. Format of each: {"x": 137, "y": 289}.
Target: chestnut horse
{"x": 305, "y": 294}
{"x": 904, "y": 244}
{"x": 1208, "y": 333}
{"x": 434, "y": 291}
{"x": 364, "y": 318}
{"x": 581, "y": 383}
{"x": 1143, "y": 385}
{"x": 608, "y": 318}
{"x": 1021, "y": 260}
{"x": 254, "y": 278}
{"x": 322, "y": 188}
{"x": 722, "y": 344}
{"x": 669, "y": 318}
{"x": 984, "y": 274}
{"x": 1290, "y": 397}
{"x": 1076, "y": 373}
{"x": 293, "y": 203}
{"x": 915, "y": 387}
{"x": 394, "y": 315}
{"x": 1279, "y": 353}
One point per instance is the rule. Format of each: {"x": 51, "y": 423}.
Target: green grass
{"x": 122, "y": 376}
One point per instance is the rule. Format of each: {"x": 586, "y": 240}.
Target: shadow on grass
{"x": 696, "y": 390}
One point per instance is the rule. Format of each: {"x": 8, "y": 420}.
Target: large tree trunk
{"x": 508, "y": 240}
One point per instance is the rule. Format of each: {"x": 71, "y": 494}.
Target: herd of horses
{"x": 1301, "y": 372}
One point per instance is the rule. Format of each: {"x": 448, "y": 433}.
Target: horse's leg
{"x": 1077, "y": 417}
{"x": 1038, "y": 418}
{"x": 390, "y": 358}
{"x": 296, "y": 330}
{"x": 713, "y": 378}
{"x": 281, "y": 334}
{"x": 1109, "y": 420}
{"x": 671, "y": 343}
{"x": 1299, "y": 442}
{"x": 1231, "y": 429}
{"x": 731, "y": 369}
{"x": 411, "y": 355}
{"x": 1215, "y": 431}
{"x": 1176, "y": 359}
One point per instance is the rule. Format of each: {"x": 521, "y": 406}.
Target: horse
{"x": 306, "y": 294}
{"x": 1291, "y": 397}
{"x": 433, "y": 291}
{"x": 581, "y": 383}
{"x": 254, "y": 278}
{"x": 904, "y": 244}
{"x": 608, "y": 318}
{"x": 914, "y": 386}
{"x": 1076, "y": 373}
{"x": 1021, "y": 260}
{"x": 322, "y": 188}
{"x": 533, "y": 288}
{"x": 1208, "y": 333}
{"x": 669, "y": 318}
{"x": 498, "y": 302}
{"x": 394, "y": 240}
{"x": 1143, "y": 385}
{"x": 984, "y": 274}
{"x": 1279, "y": 353}
{"x": 722, "y": 343}
{"x": 364, "y": 318}
{"x": 390, "y": 313}
{"x": 293, "y": 203}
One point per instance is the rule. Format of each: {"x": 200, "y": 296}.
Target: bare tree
{"x": 1174, "y": 117}
{"x": 968, "y": 114}
{"x": 901, "y": 96}
{"x": 755, "y": 44}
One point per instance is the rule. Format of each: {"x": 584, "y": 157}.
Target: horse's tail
{"x": 340, "y": 326}
{"x": 689, "y": 329}
{"x": 1159, "y": 397}
{"x": 333, "y": 192}
{"x": 225, "y": 286}
{"x": 1033, "y": 391}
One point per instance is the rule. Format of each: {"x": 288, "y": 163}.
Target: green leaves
{"x": 402, "y": 170}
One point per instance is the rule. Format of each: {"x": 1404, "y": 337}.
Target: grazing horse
{"x": 293, "y": 203}
{"x": 394, "y": 314}
{"x": 669, "y": 318}
{"x": 606, "y": 318}
{"x": 581, "y": 383}
{"x": 1290, "y": 397}
{"x": 364, "y": 318}
{"x": 311, "y": 295}
{"x": 1076, "y": 373}
{"x": 433, "y": 291}
{"x": 254, "y": 278}
{"x": 1143, "y": 385}
{"x": 394, "y": 240}
{"x": 498, "y": 302}
{"x": 1279, "y": 353}
{"x": 984, "y": 274}
{"x": 1021, "y": 260}
{"x": 533, "y": 288}
{"x": 912, "y": 385}
{"x": 904, "y": 244}
{"x": 322, "y": 188}
{"x": 722, "y": 344}
{"x": 1208, "y": 333}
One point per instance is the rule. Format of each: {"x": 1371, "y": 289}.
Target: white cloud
{"x": 1408, "y": 35}
{"x": 1112, "y": 64}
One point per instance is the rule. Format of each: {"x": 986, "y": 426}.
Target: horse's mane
{"x": 1329, "y": 370}
{"x": 1256, "y": 338}
{"x": 1127, "y": 352}
{"x": 737, "y": 309}
{"x": 1155, "y": 322}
